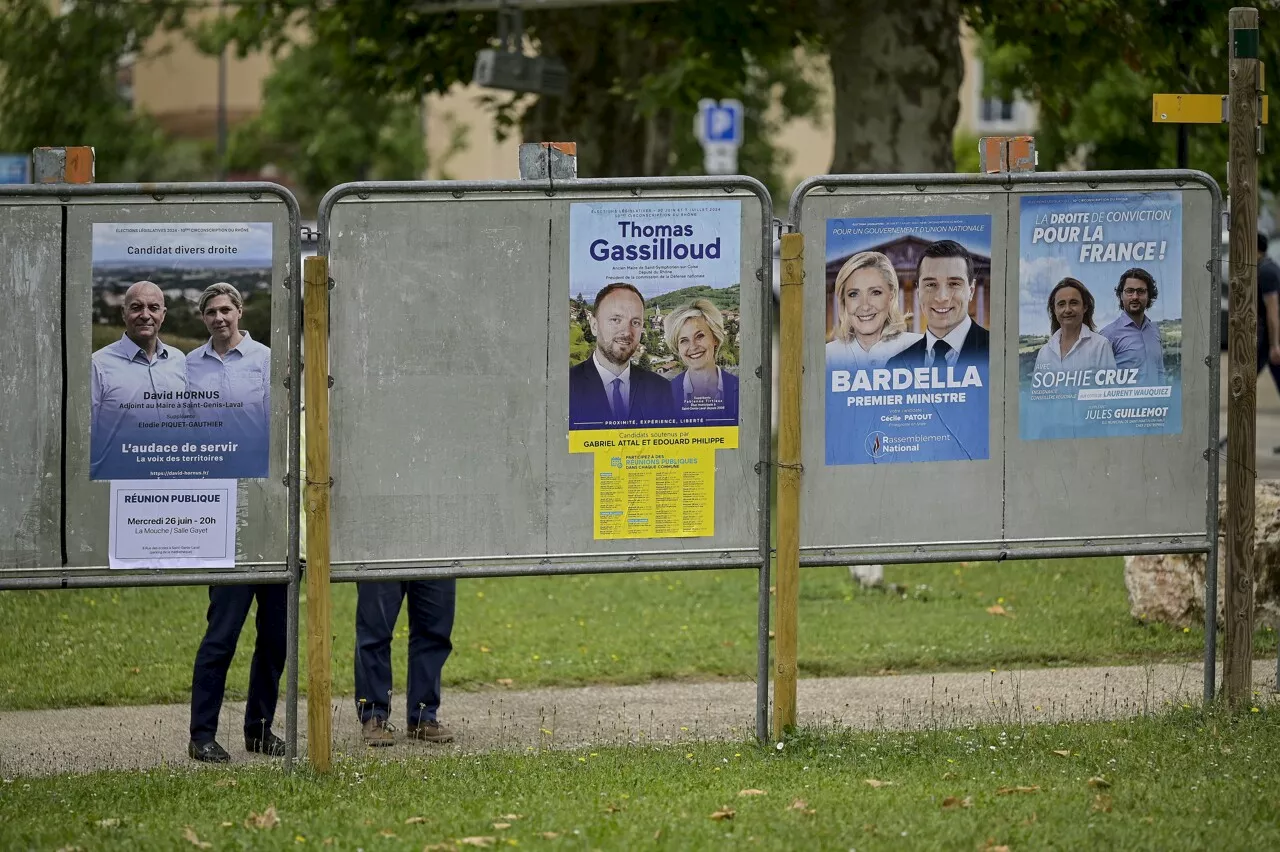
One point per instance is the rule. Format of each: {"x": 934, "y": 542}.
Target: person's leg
{"x": 268, "y": 661}
{"x": 228, "y": 606}
{"x": 377, "y": 608}
{"x": 1274, "y": 368}
{"x": 431, "y": 610}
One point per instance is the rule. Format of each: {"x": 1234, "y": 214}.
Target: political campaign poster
{"x": 654, "y": 325}
{"x": 173, "y": 524}
{"x": 907, "y": 343}
{"x": 654, "y": 341}
{"x": 1100, "y": 315}
{"x": 180, "y": 375}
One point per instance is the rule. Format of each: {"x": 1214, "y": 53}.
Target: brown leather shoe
{"x": 430, "y": 731}
{"x": 377, "y": 733}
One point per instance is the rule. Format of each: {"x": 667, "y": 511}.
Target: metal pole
{"x": 222, "y": 110}
{"x": 1212, "y": 518}
{"x": 316, "y": 375}
{"x": 291, "y": 674}
{"x": 788, "y": 578}
{"x": 294, "y": 486}
{"x": 1242, "y": 355}
{"x": 771, "y": 248}
{"x": 762, "y": 650}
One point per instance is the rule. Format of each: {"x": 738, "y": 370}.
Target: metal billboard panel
{"x": 1122, "y": 489}
{"x": 449, "y": 402}
{"x": 886, "y": 505}
{"x": 1029, "y": 498}
{"x": 266, "y": 525}
{"x": 31, "y": 387}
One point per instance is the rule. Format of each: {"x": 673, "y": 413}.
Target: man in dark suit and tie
{"x": 607, "y": 391}
{"x": 944, "y": 279}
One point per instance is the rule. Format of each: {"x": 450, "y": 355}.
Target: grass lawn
{"x": 128, "y": 646}
{"x": 1185, "y": 780}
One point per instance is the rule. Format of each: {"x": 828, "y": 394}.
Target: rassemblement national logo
{"x": 875, "y": 444}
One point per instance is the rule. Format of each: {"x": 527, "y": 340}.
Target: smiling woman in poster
{"x": 870, "y": 326}
{"x": 238, "y": 369}
{"x": 1075, "y": 343}
{"x": 695, "y": 332}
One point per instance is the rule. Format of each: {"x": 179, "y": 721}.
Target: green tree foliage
{"x": 636, "y": 72}
{"x": 324, "y": 129}
{"x": 1093, "y": 65}
{"x": 60, "y": 70}
{"x": 579, "y": 347}
{"x": 721, "y": 297}
{"x": 388, "y": 46}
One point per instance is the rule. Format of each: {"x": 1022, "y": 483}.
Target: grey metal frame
{"x": 1108, "y": 546}
{"x": 616, "y": 562}
{"x": 59, "y": 577}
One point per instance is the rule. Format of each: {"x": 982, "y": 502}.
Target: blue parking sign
{"x": 15, "y": 168}
{"x": 720, "y": 122}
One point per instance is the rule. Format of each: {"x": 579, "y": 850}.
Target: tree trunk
{"x": 603, "y": 59}
{"x": 896, "y": 68}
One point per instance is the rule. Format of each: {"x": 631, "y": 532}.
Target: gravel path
{"x": 42, "y": 742}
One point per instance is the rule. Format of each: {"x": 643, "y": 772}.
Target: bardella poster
{"x": 1100, "y": 315}
{"x": 654, "y": 342}
{"x": 180, "y": 375}
{"x": 907, "y": 343}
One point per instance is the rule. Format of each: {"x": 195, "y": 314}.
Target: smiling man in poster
{"x": 1134, "y": 339}
{"x": 929, "y": 401}
{"x": 1089, "y": 367}
{"x": 130, "y": 375}
{"x": 945, "y": 279}
{"x": 607, "y": 390}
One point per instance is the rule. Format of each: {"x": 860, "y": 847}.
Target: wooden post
{"x": 788, "y": 565}
{"x": 1237, "y": 672}
{"x": 316, "y": 374}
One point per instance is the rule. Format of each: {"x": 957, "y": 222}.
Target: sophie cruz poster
{"x": 1100, "y": 315}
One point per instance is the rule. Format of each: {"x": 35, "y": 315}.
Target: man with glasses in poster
{"x": 1135, "y": 339}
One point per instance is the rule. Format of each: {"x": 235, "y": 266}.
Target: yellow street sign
{"x": 1194, "y": 109}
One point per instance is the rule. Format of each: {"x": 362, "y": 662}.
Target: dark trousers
{"x": 228, "y": 608}
{"x": 1264, "y": 361}
{"x": 431, "y": 608}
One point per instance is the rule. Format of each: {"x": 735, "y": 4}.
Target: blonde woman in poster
{"x": 695, "y": 333}
{"x": 1075, "y": 343}
{"x": 870, "y": 325}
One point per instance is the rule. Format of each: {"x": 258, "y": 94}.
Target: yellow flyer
{"x": 658, "y": 483}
